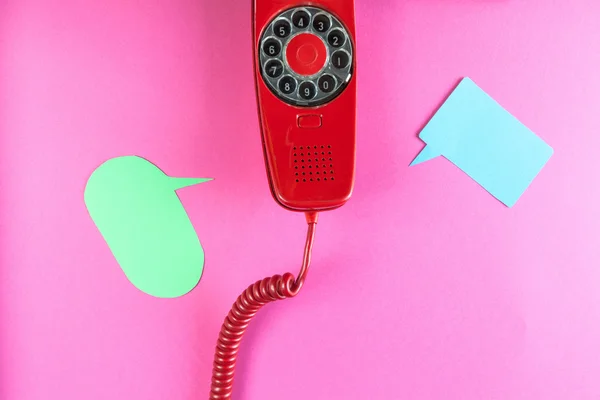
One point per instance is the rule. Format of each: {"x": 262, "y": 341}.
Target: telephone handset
{"x": 305, "y": 70}
{"x": 305, "y": 67}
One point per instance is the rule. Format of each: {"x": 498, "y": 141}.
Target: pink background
{"x": 423, "y": 286}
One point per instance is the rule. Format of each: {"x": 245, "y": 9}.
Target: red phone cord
{"x": 245, "y": 308}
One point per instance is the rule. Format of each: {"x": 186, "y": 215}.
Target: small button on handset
{"x": 310, "y": 121}
{"x": 306, "y": 56}
{"x": 301, "y": 19}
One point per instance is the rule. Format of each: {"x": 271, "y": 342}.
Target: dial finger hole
{"x": 327, "y": 83}
{"x": 282, "y": 28}
{"x": 340, "y": 59}
{"x": 336, "y": 38}
{"x": 301, "y": 19}
{"x": 274, "y": 68}
{"x": 321, "y": 23}
{"x": 287, "y": 84}
{"x": 272, "y": 47}
{"x": 307, "y": 90}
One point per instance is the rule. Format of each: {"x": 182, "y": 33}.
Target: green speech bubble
{"x": 135, "y": 207}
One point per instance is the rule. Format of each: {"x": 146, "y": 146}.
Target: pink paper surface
{"x": 423, "y": 286}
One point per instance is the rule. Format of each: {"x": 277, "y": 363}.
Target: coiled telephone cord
{"x": 245, "y": 308}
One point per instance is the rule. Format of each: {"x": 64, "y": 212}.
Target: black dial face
{"x": 320, "y": 87}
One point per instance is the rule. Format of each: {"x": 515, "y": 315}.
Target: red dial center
{"x": 306, "y": 54}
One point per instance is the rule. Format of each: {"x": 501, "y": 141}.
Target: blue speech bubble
{"x": 486, "y": 142}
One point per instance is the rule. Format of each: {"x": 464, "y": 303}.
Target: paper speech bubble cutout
{"x": 135, "y": 208}
{"x": 486, "y": 142}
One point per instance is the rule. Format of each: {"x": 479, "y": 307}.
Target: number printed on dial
{"x": 274, "y": 68}
{"x": 340, "y": 59}
{"x": 327, "y": 83}
{"x": 307, "y": 90}
{"x": 321, "y": 23}
{"x": 282, "y": 28}
{"x": 336, "y": 38}
{"x": 301, "y": 19}
{"x": 288, "y": 84}
{"x": 272, "y": 47}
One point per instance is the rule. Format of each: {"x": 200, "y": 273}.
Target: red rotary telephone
{"x": 305, "y": 67}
